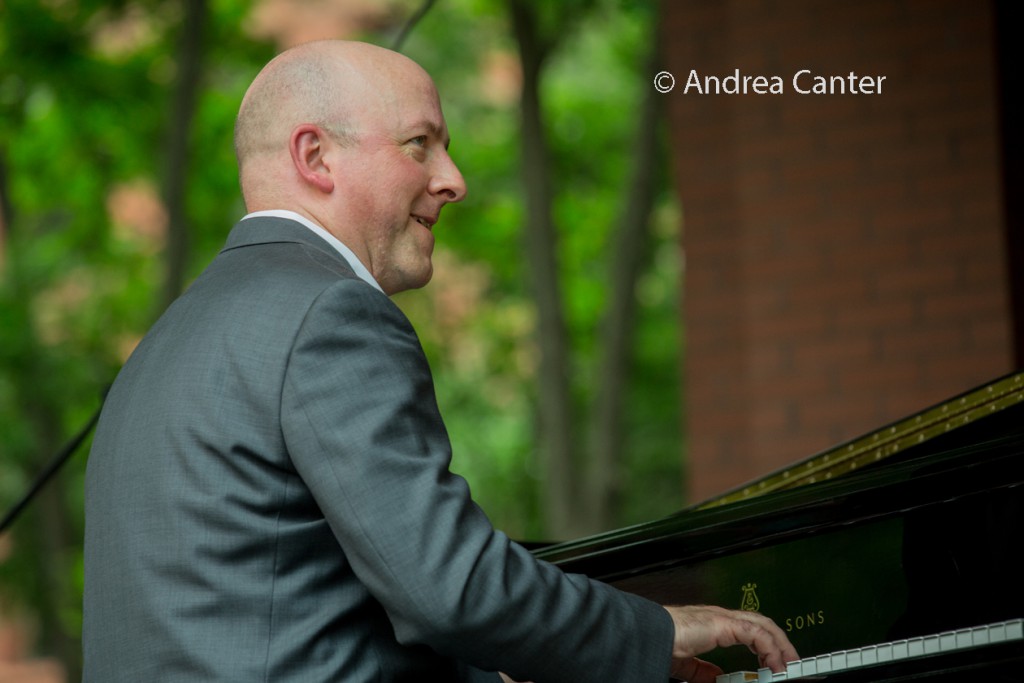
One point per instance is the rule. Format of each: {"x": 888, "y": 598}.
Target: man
{"x": 268, "y": 495}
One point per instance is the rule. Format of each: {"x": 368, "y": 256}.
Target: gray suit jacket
{"x": 268, "y": 499}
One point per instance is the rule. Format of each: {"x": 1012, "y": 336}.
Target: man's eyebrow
{"x": 434, "y": 129}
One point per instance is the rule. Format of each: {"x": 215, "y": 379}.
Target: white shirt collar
{"x": 345, "y": 252}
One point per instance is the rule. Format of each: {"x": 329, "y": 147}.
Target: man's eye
{"x": 420, "y": 140}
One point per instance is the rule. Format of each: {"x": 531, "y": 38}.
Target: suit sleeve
{"x": 364, "y": 432}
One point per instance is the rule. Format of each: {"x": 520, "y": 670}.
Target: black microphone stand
{"x": 51, "y": 469}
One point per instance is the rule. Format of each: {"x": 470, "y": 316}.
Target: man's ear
{"x": 307, "y": 147}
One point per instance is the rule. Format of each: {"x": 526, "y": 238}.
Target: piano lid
{"x": 982, "y": 430}
{"x": 952, "y": 421}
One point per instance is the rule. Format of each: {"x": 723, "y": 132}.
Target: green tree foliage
{"x": 86, "y": 98}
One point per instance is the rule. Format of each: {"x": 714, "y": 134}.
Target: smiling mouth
{"x": 425, "y": 222}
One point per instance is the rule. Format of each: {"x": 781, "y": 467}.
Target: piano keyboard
{"x": 885, "y": 653}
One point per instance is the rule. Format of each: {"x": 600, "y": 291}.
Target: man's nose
{"x": 447, "y": 181}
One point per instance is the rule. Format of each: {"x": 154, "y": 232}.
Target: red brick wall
{"x": 844, "y": 253}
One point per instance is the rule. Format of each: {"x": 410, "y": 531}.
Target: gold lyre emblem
{"x": 750, "y": 602}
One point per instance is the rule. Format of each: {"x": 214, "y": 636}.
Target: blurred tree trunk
{"x": 630, "y": 244}
{"x": 47, "y": 533}
{"x": 5, "y": 209}
{"x": 190, "y": 63}
{"x": 541, "y": 240}
{"x": 579, "y": 499}
{"x": 53, "y": 536}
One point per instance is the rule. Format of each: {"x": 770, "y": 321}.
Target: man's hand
{"x": 701, "y": 628}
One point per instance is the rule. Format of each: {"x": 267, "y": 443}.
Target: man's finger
{"x": 696, "y": 670}
{"x": 765, "y": 638}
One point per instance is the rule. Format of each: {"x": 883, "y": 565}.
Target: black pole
{"x": 50, "y": 470}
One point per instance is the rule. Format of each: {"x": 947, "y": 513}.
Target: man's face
{"x": 396, "y": 176}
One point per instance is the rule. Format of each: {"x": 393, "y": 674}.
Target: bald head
{"x": 329, "y": 83}
{"x": 351, "y": 136}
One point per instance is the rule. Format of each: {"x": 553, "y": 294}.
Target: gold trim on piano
{"x": 885, "y": 442}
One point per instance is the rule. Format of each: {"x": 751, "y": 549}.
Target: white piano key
{"x": 963, "y": 638}
{"x": 809, "y": 666}
{"x": 844, "y": 660}
{"x": 1015, "y": 629}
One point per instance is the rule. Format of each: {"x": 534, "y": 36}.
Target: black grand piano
{"x": 895, "y": 556}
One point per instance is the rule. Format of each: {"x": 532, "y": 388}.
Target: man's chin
{"x": 423, "y": 279}
{"x": 409, "y": 281}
